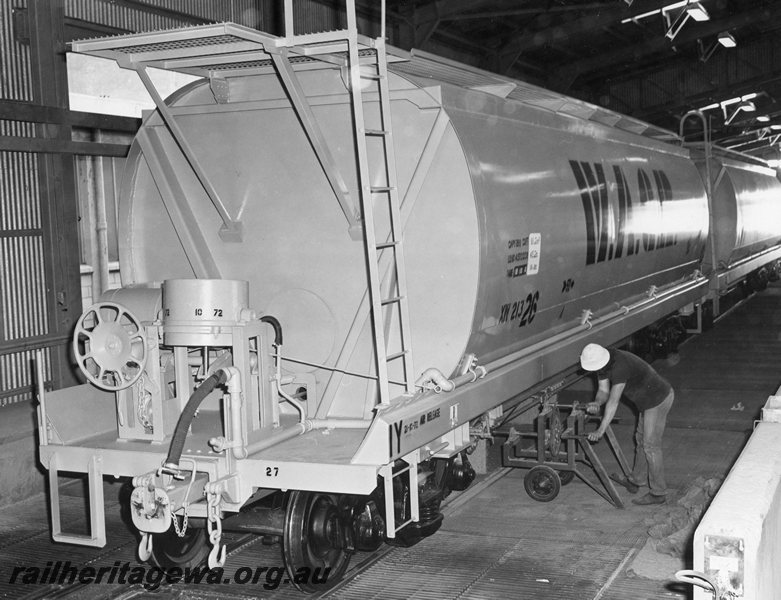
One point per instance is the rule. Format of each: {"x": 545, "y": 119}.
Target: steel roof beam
{"x": 568, "y": 74}
{"x": 421, "y": 23}
{"x": 531, "y": 39}
{"x": 514, "y": 12}
{"x": 729, "y": 90}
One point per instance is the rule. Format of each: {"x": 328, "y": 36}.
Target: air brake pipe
{"x": 274, "y": 322}
{"x": 234, "y": 391}
{"x": 296, "y": 404}
{"x": 338, "y": 423}
{"x": 308, "y": 425}
{"x": 186, "y": 418}
{"x": 305, "y": 427}
{"x": 285, "y": 434}
{"x": 236, "y": 431}
{"x": 623, "y": 310}
{"x": 240, "y": 451}
{"x": 437, "y": 378}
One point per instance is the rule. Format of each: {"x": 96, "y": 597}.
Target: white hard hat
{"x": 594, "y": 357}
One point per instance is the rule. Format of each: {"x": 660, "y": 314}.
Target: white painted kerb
{"x": 748, "y": 506}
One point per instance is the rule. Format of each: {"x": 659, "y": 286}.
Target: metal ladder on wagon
{"x": 383, "y": 305}
{"x": 367, "y": 65}
{"x": 395, "y": 300}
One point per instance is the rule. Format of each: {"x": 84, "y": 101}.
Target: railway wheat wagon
{"x": 743, "y": 245}
{"x": 336, "y": 258}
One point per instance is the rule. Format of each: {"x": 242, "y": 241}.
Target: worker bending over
{"x": 622, "y": 373}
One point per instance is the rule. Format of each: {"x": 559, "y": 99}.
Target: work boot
{"x": 630, "y": 486}
{"x": 649, "y": 499}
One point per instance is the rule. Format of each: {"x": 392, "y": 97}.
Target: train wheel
{"x": 315, "y": 540}
{"x": 170, "y": 550}
{"x": 542, "y": 483}
{"x": 566, "y": 476}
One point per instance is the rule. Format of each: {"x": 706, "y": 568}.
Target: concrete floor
{"x": 498, "y": 543}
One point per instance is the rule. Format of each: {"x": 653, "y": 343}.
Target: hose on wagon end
{"x": 186, "y": 418}
{"x": 274, "y": 322}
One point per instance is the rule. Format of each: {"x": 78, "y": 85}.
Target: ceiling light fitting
{"x": 657, "y": 11}
{"x": 745, "y": 106}
{"x": 727, "y": 40}
{"x": 725, "y": 103}
{"x": 691, "y": 10}
{"x": 724, "y": 39}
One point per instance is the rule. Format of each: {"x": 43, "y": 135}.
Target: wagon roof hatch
{"x": 429, "y": 66}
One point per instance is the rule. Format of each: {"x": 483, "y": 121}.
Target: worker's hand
{"x": 592, "y": 408}
{"x": 595, "y": 436}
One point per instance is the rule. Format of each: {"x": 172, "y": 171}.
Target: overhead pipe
{"x": 101, "y": 223}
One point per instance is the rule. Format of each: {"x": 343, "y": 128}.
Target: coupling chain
{"x": 175, "y": 519}
{"x": 213, "y": 522}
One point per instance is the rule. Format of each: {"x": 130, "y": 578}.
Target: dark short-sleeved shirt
{"x": 644, "y": 386}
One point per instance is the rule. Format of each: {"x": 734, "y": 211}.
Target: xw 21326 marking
{"x": 522, "y": 311}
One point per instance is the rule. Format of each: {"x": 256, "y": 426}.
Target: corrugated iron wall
{"x": 14, "y": 58}
{"x": 734, "y": 69}
{"x": 315, "y": 16}
{"x": 31, "y": 305}
{"x": 145, "y": 15}
{"x": 265, "y": 15}
{"x": 23, "y": 297}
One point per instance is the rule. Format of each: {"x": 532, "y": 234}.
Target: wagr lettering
{"x": 399, "y": 428}
{"x": 429, "y": 416}
{"x": 617, "y": 224}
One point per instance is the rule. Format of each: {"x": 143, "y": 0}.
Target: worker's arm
{"x": 613, "y": 397}
{"x": 603, "y": 393}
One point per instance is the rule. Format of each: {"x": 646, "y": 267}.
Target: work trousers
{"x": 649, "y": 464}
